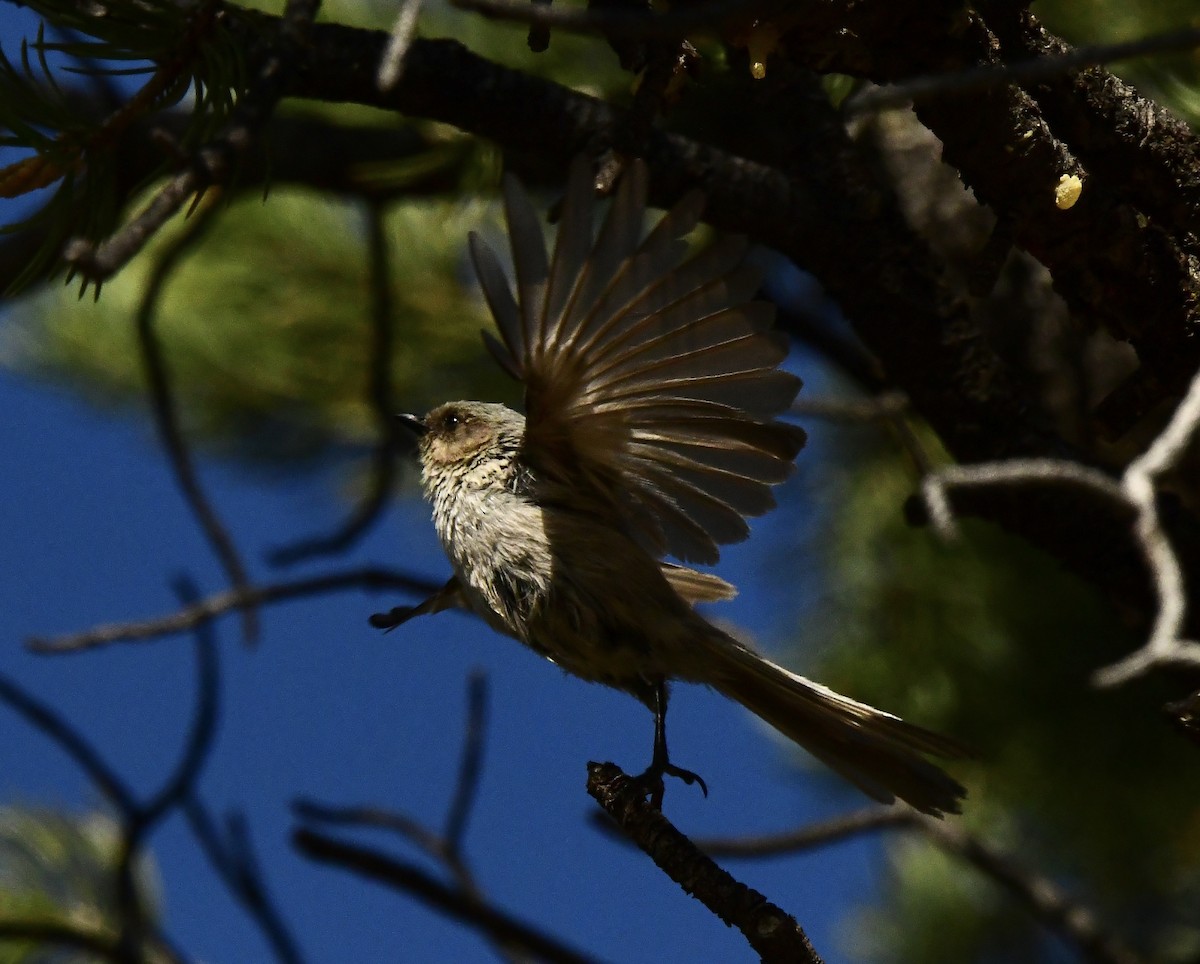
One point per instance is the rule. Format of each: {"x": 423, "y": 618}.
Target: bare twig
{"x": 204, "y": 721}
{"x": 412, "y": 830}
{"x": 201, "y": 612}
{"x": 142, "y": 819}
{"x": 890, "y": 407}
{"x": 162, "y": 404}
{"x": 470, "y": 766}
{"x": 234, "y": 863}
{"x": 1135, "y": 489}
{"x": 772, "y": 932}
{"x": 1165, "y": 647}
{"x": 445, "y": 847}
{"x": 876, "y": 408}
{"x": 452, "y": 902}
{"x": 379, "y": 395}
{"x": 935, "y": 487}
{"x": 1048, "y": 902}
{"x": 134, "y": 931}
{"x": 810, "y": 836}
{"x": 403, "y": 30}
{"x": 72, "y": 742}
{"x": 1053, "y": 907}
{"x": 1026, "y": 72}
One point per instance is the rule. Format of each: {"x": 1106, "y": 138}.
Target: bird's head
{"x": 460, "y": 433}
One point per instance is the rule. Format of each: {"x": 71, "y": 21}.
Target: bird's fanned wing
{"x": 651, "y": 381}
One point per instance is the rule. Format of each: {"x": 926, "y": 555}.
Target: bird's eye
{"x": 451, "y": 420}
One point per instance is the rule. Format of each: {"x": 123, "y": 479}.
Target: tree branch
{"x": 454, "y": 904}
{"x": 201, "y": 612}
{"x": 773, "y": 933}
{"x": 379, "y": 396}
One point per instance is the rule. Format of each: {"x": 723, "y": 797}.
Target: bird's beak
{"x": 414, "y": 424}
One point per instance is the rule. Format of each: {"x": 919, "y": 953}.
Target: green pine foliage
{"x": 267, "y": 329}
{"x": 68, "y": 141}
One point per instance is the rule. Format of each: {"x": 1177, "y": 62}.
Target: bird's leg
{"x": 444, "y": 598}
{"x": 660, "y": 761}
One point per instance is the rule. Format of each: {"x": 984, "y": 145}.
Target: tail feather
{"x": 876, "y": 751}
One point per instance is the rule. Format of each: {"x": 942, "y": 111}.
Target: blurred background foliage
{"x": 990, "y": 640}
{"x": 266, "y": 329}
{"x": 266, "y": 326}
{"x": 1170, "y": 79}
{"x": 58, "y": 867}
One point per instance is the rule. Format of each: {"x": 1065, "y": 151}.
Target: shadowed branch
{"x": 772, "y": 932}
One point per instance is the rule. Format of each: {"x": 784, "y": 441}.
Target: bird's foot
{"x": 651, "y": 780}
{"x": 392, "y": 618}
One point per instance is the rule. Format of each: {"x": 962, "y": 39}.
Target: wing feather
{"x": 572, "y": 246}
{"x": 669, "y": 355}
{"x": 529, "y": 259}
{"x": 697, "y": 586}
{"x": 499, "y": 296}
{"x": 652, "y": 379}
{"x": 617, "y": 240}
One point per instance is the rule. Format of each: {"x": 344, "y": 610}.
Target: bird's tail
{"x": 876, "y": 751}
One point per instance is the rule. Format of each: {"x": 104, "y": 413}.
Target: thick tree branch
{"x": 772, "y": 932}
{"x": 1125, "y": 257}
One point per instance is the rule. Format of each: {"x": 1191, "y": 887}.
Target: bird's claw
{"x": 394, "y": 617}
{"x": 651, "y": 781}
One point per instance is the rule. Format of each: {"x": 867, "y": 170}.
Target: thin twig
{"x": 1048, "y": 902}
{"x": 810, "y": 836}
{"x": 890, "y": 407}
{"x": 456, "y": 905}
{"x": 470, "y": 767}
{"x": 72, "y": 742}
{"x": 1026, "y": 72}
{"x": 241, "y": 876}
{"x": 773, "y": 933}
{"x": 405, "y": 826}
{"x": 1136, "y": 489}
{"x": 166, "y": 418}
{"x": 204, "y": 720}
{"x": 379, "y": 396}
{"x": 391, "y": 67}
{"x": 135, "y": 931}
{"x": 934, "y": 488}
{"x": 877, "y": 408}
{"x": 213, "y": 606}
{"x": 445, "y": 847}
{"x": 139, "y": 823}
{"x": 1165, "y": 645}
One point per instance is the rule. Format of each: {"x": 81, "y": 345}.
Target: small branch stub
{"x": 772, "y": 932}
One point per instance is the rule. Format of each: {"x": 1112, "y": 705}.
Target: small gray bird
{"x": 651, "y": 391}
